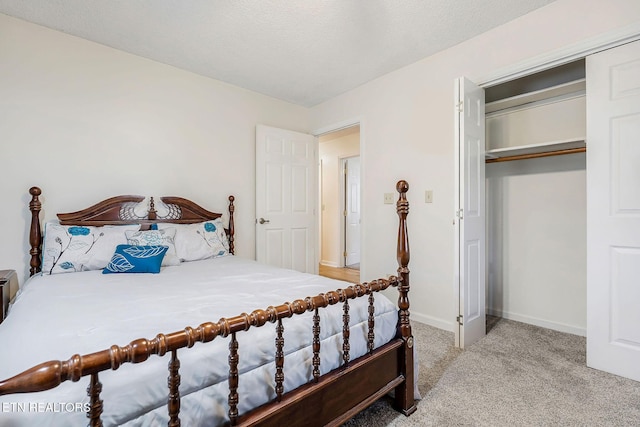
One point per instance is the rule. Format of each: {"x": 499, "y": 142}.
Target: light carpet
{"x": 518, "y": 375}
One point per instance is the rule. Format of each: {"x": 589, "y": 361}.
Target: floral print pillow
{"x": 67, "y": 249}
{"x": 200, "y": 241}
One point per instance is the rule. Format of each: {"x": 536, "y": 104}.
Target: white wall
{"x": 537, "y": 241}
{"x": 331, "y": 152}
{"x": 86, "y": 122}
{"x": 408, "y": 133}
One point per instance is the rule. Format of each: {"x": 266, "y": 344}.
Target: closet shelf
{"x": 544, "y": 149}
{"x": 574, "y": 87}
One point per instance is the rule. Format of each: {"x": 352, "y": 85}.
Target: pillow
{"x": 78, "y": 248}
{"x": 200, "y": 241}
{"x": 156, "y": 238}
{"x": 136, "y": 259}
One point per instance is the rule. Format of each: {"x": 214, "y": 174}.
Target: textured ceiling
{"x": 300, "y": 51}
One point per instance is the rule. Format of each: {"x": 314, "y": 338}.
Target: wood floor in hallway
{"x": 346, "y": 274}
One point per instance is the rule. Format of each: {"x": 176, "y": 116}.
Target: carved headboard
{"x": 121, "y": 210}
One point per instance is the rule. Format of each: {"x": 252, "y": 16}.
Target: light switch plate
{"x": 388, "y": 198}
{"x": 428, "y": 196}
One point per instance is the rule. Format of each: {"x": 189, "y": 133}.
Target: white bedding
{"x": 60, "y": 315}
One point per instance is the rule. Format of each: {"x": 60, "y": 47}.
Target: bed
{"x": 317, "y": 360}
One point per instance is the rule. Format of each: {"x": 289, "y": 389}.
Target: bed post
{"x": 232, "y": 208}
{"x": 404, "y": 392}
{"x": 35, "y": 234}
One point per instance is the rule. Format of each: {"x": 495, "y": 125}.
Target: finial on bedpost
{"x": 402, "y": 207}
{"x": 35, "y": 233}
{"x": 232, "y": 230}
{"x": 404, "y": 392}
{"x": 152, "y": 209}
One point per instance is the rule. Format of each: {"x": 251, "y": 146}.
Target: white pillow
{"x": 69, "y": 248}
{"x": 164, "y": 237}
{"x": 199, "y": 241}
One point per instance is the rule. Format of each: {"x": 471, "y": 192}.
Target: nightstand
{"x": 7, "y": 279}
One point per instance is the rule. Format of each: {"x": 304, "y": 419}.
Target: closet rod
{"x": 536, "y": 155}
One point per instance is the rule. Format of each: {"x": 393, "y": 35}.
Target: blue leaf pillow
{"x": 136, "y": 259}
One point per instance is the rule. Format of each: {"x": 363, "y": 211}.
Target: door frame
{"x": 543, "y": 62}
{"x": 355, "y": 121}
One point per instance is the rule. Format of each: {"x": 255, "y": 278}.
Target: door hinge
{"x": 460, "y": 213}
{"x": 459, "y": 320}
{"x": 344, "y": 213}
{"x": 460, "y": 106}
{"x": 344, "y": 254}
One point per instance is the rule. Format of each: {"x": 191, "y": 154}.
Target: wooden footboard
{"x": 329, "y": 399}
{"x": 338, "y": 395}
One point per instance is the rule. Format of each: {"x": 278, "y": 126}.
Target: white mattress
{"x": 57, "y": 316}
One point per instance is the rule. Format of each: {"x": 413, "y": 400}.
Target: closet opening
{"x": 561, "y": 252}
{"x": 535, "y": 177}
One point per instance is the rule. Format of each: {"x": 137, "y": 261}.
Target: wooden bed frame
{"x": 328, "y": 399}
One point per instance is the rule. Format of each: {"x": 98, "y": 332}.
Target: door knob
{"x": 263, "y": 221}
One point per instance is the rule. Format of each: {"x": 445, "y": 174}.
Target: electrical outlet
{"x": 428, "y": 196}
{"x": 388, "y": 198}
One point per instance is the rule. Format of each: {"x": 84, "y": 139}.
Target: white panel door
{"x": 470, "y": 213}
{"x": 352, "y": 210}
{"x": 286, "y": 194}
{"x": 613, "y": 211}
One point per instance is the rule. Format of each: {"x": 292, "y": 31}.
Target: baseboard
{"x": 556, "y": 326}
{"x": 432, "y": 321}
{"x": 329, "y": 264}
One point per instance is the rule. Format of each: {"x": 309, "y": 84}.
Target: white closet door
{"x": 613, "y": 211}
{"x": 470, "y": 211}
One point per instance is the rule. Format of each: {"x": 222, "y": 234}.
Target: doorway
{"x": 610, "y": 267}
{"x": 525, "y": 243}
{"x": 339, "y": 154}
